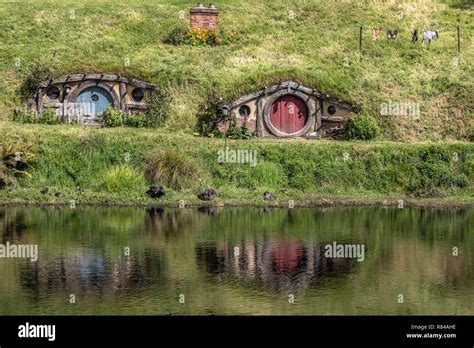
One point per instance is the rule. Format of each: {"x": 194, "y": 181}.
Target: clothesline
{"x": 429, "y": 35}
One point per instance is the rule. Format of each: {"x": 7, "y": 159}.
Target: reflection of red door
{"x": 286, "y": 256}
{"x": 289, "y": 114}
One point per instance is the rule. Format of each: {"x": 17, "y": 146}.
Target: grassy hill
{"x": 265, "y": 41}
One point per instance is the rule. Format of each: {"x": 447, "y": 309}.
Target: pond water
{"x": 238, "y": 261}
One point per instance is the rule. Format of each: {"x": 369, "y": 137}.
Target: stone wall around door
{"x": 328, "y": 116}
{"x": 60, "y": 94}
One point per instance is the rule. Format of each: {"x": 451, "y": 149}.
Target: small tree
{"x": 212, "y": 114}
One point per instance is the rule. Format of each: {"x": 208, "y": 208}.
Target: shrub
{"x": 177, "y": 36}
{"x": 172, "y": 168}
{"x": 121, "y": 178}
{"x": 24, "y": 116}
{"x": 5, "y": 178}
{"x": 362, "y": 127}
{"x": 199, "y": 37}
{"x": 49, "y": 117}
{"x": 192, "y": 36}
{"x": 468, "y": 168}
{"x": 241, "y": 132}
{"x": 112, "y": 117}
{"x": 14, "y": 160}
{"x": 211, "y": 116}
{"x": 137, "y": 121}
{"x": 40, "y": 72}
{"x": 158, "y": 109}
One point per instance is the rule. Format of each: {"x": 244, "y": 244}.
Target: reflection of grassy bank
{"x": 407, "y": 251}
{"x": 311, "y": 173}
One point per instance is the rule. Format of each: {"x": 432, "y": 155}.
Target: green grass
{"x": 122, "y": 179}
{"x": 309, "y": 172}
{"x": 263, "y": 46}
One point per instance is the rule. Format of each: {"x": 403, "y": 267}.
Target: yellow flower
{"x": 211, "y": 135}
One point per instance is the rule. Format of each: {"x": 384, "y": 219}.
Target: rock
{"x": 156, "y": 192}
{"x": 58, "y": 194}
{"x": 207, "y": 195}
{"x": 44, "y": 191}
{"x": 268, "y": 196}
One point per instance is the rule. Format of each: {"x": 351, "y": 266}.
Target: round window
{"x": 53, "y": 92}
{"x": 244, "y": 111}
{"x": 94, "y": 97}
{"x": 138, "y": 94}
{"x": 331, "y": 109}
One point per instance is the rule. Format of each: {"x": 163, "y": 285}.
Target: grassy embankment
{"x": 264, "y": 42}
{"x": 67, "y": 157}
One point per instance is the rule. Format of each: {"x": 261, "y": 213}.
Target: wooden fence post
{"x": 459, "y": 40}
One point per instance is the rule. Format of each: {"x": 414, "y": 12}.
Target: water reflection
{"x": 90, "y": 272}
{"x": 223, "y": 258}
{"x": 280, "y": 265}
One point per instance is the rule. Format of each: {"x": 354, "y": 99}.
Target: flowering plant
{"x": 199, "y": 37}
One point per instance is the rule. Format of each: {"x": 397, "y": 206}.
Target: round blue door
{"x": 97, "y": 97}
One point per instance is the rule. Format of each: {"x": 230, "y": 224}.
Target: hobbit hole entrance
{"x": 289, "y": 114}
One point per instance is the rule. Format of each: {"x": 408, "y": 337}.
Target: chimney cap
{"x": 212, "y": 9}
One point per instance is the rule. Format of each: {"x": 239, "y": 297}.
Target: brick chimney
{"x": 204, "y": 18}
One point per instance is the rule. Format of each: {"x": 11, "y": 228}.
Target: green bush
{"x": 241, "y": 132}
{"x": 49, "y": 117}
{"x": 199, "y": 37}
{"x": 362, "y": 127}
{"x": 172, "y": 168}
{"x": 177, "y": 36}
{"x": 136, "y": 121}
{"x": 41, "y": 71}
{"x": 211, "y": 115}
{"x": 112, "y": 117}
{"x": 158, "y": 109}
{"x": 27, "y": 117}
{"x": 15, "y": 159}
{"x": 121, "y": 178}
{"x": 181, "y": 35}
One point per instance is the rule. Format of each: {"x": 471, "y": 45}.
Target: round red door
{"x": 289, "y": 114}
